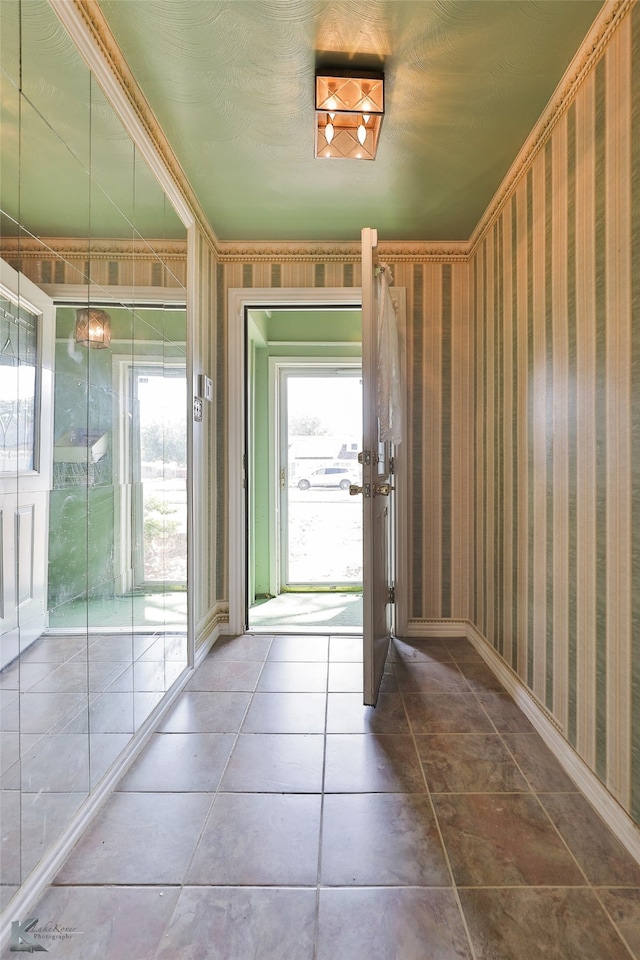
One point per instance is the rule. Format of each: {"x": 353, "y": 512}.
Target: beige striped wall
{"x": 523, "y": 445}
{"x": 439, "y": 422}
{"x": 556, "y": 301}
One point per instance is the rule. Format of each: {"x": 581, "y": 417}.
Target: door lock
{"x": 382, "y": 489}
{"x": 354, "y": 490}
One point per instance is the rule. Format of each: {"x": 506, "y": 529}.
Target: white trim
{"x": 209, "y": 628}
{"x": 316, "y": 343}
{"x": 619, "y": 821}
{"x": 432, "y": 629}
{"x": 399, "y": 297}
{"x": 113, "y": 89}
{"x": 153, "y": 297}
{"x": 127, "y": 573}
{"x": 238, "y": 298}
{"x": 582, "y": 775}
{"x": 279, "y": 515}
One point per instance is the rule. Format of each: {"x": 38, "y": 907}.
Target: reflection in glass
{"x": 18, "y": 364}
{"x": 162, "y": 461}
{"x": 98, "y": 625}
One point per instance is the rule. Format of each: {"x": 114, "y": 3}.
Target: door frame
{"x": 279, "y": 520}
{"x": 126, "y": 441}
{"x": 25, "y": 494}
{"x": 239, "y": 301}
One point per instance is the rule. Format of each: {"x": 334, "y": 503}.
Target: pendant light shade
{"x": 93, "y": 328}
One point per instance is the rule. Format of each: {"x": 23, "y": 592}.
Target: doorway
{"x": 320, "y": 437}
{"x": 314, "y": 546}
{"x": 303, "y": 400}
{"x": 248, "y": 332}
{"x": 159, "y": 467}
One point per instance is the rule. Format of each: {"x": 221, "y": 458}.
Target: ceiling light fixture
{"x": 93, "y": 328}
{"x": 349, "y": 112}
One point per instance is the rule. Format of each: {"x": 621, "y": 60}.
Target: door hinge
{"x": 391, "y": 597}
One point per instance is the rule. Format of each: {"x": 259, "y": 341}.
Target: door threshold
{"x": 317, "y": 630}
{"x": 309, "y": 613}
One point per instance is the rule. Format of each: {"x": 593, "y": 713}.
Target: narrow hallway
{"x": 272, "y": 816}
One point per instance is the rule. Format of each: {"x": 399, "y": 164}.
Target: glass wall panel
{"x": 93, "y": 420}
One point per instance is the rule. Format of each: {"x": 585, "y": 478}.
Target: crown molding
{"x": 586, "y": 58}
{"x": 73, "y": 248}
{"x": 339, "y": 252}
{"x": 86, "y": 25}
{"x": 88, "y": 28}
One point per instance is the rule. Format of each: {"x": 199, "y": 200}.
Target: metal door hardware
{"x": 354, "y": 490}
{"x": 382, "y": 489}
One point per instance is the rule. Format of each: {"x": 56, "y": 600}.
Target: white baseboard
{"x": 436, "y": 628}
{"x": 605, "y": 804}
{"x": 209, "y": 628}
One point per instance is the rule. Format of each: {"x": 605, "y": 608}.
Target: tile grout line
{"x": 454, "y": 887}
{"x": 215, "y": 793}
{"x": 316, "y": 932}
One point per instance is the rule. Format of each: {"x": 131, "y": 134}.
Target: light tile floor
{"x": 274, "y": 817}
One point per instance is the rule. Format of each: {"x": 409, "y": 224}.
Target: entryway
{"x": 317, "y": 555}
{"x": 251, "y": 341}
{"x": 304, "y": 432}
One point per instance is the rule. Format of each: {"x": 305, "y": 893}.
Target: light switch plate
{"x": 205, "y": 387}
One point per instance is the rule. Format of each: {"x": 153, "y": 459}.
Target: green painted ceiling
{"x": 232, "y": 86}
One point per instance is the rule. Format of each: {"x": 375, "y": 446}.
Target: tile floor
{"x": 272, "y": 816}
{"x": 68, "y": 707}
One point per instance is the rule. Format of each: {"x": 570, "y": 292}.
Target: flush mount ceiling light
{"x": 93, "y": 328}
{"x": 349, "y": 112}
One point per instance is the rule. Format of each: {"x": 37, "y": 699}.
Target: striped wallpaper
{"x": 523, "y": 394}
{"x": 439, "y": 374}
{"x": 556, "y": 305}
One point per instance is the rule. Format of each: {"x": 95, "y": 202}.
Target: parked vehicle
{"x": 329, "y": 477}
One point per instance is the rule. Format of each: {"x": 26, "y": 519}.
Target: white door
{"x": 26, "y": 462}
{"x": 377, "y": 490}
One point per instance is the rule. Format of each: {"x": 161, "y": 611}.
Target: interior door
{"x": 26, "y": 422}
{"x": 377, "y": 490}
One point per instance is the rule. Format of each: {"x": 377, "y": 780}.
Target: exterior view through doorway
{"x": 304, "y": 432}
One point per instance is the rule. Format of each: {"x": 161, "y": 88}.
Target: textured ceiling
{"x": 232, "y": 86}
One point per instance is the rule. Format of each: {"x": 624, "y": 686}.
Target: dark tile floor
{"x": 272, "y": 816}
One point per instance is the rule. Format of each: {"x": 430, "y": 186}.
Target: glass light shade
{"x": 93, "y": 328}
{"x": 355, "y": 105}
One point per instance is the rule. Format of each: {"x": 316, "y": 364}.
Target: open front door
{"x": 377, "y": 489}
